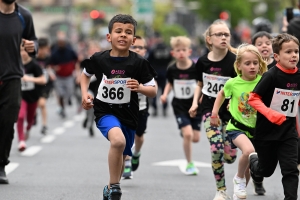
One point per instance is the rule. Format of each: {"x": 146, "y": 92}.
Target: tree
{"x": 238, "y": 9}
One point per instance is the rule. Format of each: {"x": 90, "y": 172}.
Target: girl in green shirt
{"x": 249, "y": 66}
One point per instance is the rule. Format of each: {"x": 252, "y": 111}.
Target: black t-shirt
{"x": 223, "y": 67}
{"x": 135, "y": 67}
{"x": 160, "y": 56}
{"x": 13, "y": 28}
{"x": 272, "y": 80}
{"x": 44, "y": 64}
{"x": 184, "y": 87}
{"x": 272, "y": 64}
{"x": 32, "y": 95}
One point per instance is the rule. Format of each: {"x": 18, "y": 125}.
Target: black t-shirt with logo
{"x": 276, "y": 80}
{"x": 223, "y": 67}
{"x": 135, "y": 67}
{"x": 181, "y": 104}
{"x": 33, "y": 69}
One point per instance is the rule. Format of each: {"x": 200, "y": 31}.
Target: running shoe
{"x": 135, "y": 161}
{"x": 127, "y": 173}
{"x": 239, "y": 187}
{"x": 22, "y": 146}
{"x": 105, "y": 193}
{"x": 91, "y": 131}
{"x": 235, "y": 197}
{"x": 115, "y": 192}
{"x": 191, "y": 169}
{"x": 221, "y": 195}
{"x": 258, "y": 188}
{"x": 44, "y": 130}
{"x": 3, "y": 178}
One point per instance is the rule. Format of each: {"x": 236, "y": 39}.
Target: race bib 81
{"x": 285, "y": 102}
{"x": 212, "y": 84}
{"x": 114, "y": 90}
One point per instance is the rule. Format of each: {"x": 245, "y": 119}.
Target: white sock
{"x": 136, "y": 153}
{"x": 128, "y": 162}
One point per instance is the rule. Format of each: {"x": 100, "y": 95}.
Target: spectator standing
{"x": 160, "y": 57}
{"x": 16, "y": 27}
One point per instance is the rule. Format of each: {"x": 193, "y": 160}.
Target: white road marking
{"x": 181, "y": 163}
{"x": 31, "y": 151}
{"x": 58, "y": 130}
{"x": 48, "y": 139}
{"x": 11, "y": 167}
{"x": 68, "y": 124}
{"x": 78, "y": 117}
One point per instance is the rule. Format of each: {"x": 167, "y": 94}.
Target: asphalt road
{"x": 68, "y": 164}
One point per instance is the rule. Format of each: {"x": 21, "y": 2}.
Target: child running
{"x": 121, "y": 74}
{"x": 30, "y": 96}
{"x": 263, "y": 41}
{"x": 276, "y": 98}
{"x": 213, "y": 70}
{"x": 249, "y": 66}
{"x": 132, "y": 163}
{"x": 43, "y": 58}
{"x": 181, "y": 78}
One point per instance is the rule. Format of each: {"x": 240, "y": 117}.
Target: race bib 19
{"x": 27, "y": 86}
{"x": 114, "y": 90}
{"x": 212, "y": 84}
{"x": 285, "y": 102}
{"x": 184, "y": 89}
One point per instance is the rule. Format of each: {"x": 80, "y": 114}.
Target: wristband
{"x": 213, "y": 116}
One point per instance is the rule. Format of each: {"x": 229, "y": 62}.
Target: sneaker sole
{"x": 258, "y": 194}
{"x": 22, "y": 149}
{"x": 3, "y": 181}
{"x": 236, "y": 198}
{"x": 127, "y": 177}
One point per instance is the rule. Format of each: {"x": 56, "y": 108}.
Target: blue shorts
{"x": 108, "y": 122}
{"x": 184, "y": 120}
{"x": 232, "y": 135}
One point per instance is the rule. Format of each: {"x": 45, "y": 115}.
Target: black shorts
{"x": 46, "y": 90}
{"x": 142, "y": 123}
{"x": 184, "y": 120}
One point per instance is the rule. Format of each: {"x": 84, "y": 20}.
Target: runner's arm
{"x": 272, "y": 115}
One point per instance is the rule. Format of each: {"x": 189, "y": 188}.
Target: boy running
{"x": 182, "y": 77}
{"x": 121, "y": 74}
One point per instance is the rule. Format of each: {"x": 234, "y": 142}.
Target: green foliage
{"x": 167, "y": 31}
{"x": 161, "y": 11}
{"x": 238, "y": 9}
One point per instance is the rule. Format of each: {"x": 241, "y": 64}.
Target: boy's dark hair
{"x": 259, "y": 35}
{"x": 122, "y": 18}
{"x": 43, "y": 42}
{"x": 280, "y": 39}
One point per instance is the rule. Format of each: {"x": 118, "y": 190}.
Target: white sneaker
{"x": 239, "y": 187}
{"x": 22, "y": 146}
{"x": 221, "y": 195}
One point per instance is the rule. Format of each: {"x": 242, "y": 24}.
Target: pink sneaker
{"x": 22, "y": 146}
